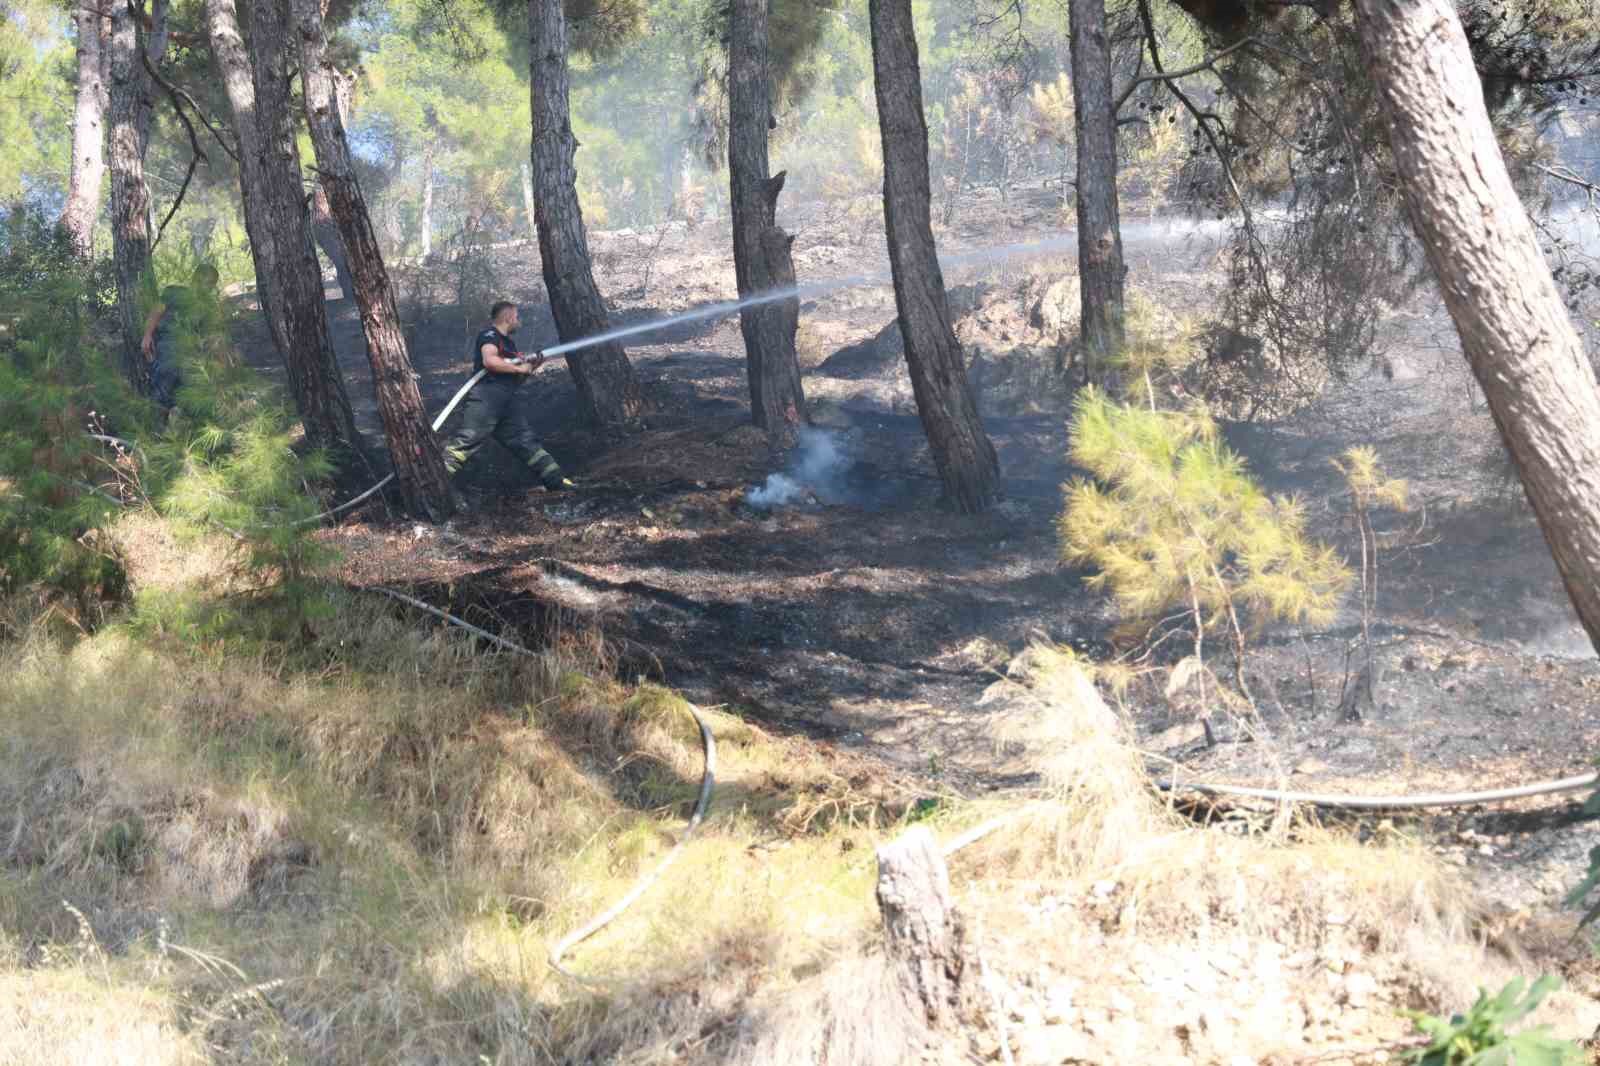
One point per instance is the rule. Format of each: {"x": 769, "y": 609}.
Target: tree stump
{"x": 931, "y": 960}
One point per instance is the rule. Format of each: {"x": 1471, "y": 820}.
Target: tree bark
{"x": 1099, "y": 223}
{"x": 1513, "y": 325}
{"x": 966, "y": 459}
{"x": 427, "y": 201}
{"x": 128, "y": 106}
{"x": 608, "y": 392}
{"x": 88, "y": 130}
{"x": 288, "y": 279}
{"x": 415, "y": 452}
{"x": 933, "y": 963}
{"x": 762, "y": 260}
{"x": 527, "y": 201}
{"x": 327, "y": 234}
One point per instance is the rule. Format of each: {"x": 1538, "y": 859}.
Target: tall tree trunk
{"x": 418, "y": 460}
{"x": 327, "y": 234}
{"x": 427, "y": 200}
{"x": 288, "y": 279}
{"x": 1099, "y": 223}
{"x": 527, "y": 201}
{"x": 88, "y": 130}
{"x": 1513, "y": 325}
{"x": 761, "y": 251}
{"x": 129, "y": 107}
{"x": 966, "y": 459}
{"x": 608, "y": 392}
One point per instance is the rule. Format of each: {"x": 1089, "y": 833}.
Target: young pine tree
{"x": 1175, "y": 525}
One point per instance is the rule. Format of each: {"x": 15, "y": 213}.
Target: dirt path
{"x": 873, "y": 618}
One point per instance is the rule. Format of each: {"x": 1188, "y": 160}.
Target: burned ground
{"x": 863, "y": 614}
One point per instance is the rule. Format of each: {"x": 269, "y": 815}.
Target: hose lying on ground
{"x": 1373, "y": 803}
{"x": 707, "y": 784}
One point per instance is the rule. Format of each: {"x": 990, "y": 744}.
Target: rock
{"x": 1055, "y": 1044}
{"x": 1058, "y": 308}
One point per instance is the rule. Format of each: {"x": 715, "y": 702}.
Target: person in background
{"x": 494, "y": 407}
{"x": 177, "y": 314}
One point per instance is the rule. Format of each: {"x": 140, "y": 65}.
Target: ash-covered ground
{"x": 827, "y": 591}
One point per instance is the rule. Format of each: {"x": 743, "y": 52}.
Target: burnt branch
{"x": 1171, "y": 76}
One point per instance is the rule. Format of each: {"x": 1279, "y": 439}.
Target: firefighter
{"x": 178, "y": 314}
{"x": 496, "y": 408}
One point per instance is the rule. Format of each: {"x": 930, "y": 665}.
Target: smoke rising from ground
{"x": 817, "y": 467}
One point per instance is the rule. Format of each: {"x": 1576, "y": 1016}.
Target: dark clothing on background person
{"x": 494, "y": 408}
{"x": 180, "y": 316}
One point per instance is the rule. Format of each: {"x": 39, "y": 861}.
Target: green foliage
{"x": 1479, "y": 1037}
{"x": 226, "y": 460}
{"x": 35, "y": 112}
{"x": 53, "y": 385}
{"x": 1173, "y": 519}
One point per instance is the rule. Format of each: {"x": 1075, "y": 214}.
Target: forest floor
{"x": 862, "y": 615}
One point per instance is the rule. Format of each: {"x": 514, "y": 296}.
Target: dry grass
{"x": 395, "y": 825}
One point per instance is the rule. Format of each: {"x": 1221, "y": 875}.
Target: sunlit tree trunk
{"x": 966, "y": 459}
{"x": 1099, "y": 225}
{"x": 608, "y": 392}
{"x": 128, "y": 106}
{"x": 413, "y": 449}
{"x": 1513, "y": 325}
{"x": 88, "y": 129}
{"x": 761, "y": 251}
{"x": 527, "y": 201}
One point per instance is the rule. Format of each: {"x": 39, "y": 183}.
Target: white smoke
{"x": 814, "y": 469}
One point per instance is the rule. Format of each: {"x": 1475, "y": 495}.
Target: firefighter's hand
{"x": 147, "y": 346}
{"x": 535, "y": 361}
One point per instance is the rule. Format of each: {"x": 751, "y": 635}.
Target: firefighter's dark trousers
{"x": 493, "y": 409}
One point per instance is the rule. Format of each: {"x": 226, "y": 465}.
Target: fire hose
{"x": 1384, "y": 803}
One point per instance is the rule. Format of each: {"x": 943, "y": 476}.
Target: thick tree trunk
{"x": 418, "y": 460}
{"x": 527, "y": 201}
{"x": 961, "y": 449}
{"x": 128, "y": 105}
{"x": 288, "y": 279}
{"x": 427, "y": 201}
{"x": 1099, "y": 222}
{"x": 88, "y": 129}
{"x": 1513, "y": 325}
{"x": 608, "y": 392}
{"x": 761, "y": 251}
{"x": 327, "y": 234}
{"x": 933, "y": 964}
